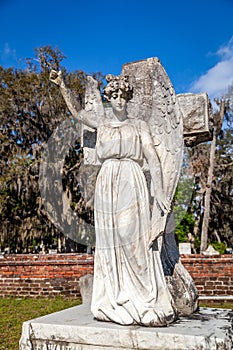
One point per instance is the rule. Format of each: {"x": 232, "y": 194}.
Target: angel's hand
{"x": 163, "y": 203}
{"x": 56, "y": 77}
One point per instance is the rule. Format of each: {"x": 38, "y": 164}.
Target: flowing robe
{"x": 129, "y": 283}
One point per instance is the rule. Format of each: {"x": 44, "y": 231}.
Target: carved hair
{"x": 116, "y": 83}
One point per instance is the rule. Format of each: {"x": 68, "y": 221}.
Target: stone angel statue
{"x": 142, "y": 132}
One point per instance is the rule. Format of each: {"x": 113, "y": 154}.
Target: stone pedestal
{"x": 75, "y": 329}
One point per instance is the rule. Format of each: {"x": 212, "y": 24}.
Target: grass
{"x": 217, "y": 305}
{"x": 14, "y": 311}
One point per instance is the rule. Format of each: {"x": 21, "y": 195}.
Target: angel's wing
{"x": 94, "y": 107}
{"x": 166, "y": 127}
{"x": 154, "y": 101}
{"x": 93, "y": 100}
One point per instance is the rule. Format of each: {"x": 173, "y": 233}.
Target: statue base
{"x": 75, "y": 329}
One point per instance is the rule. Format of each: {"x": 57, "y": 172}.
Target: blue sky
{"x": 193, "y": 39}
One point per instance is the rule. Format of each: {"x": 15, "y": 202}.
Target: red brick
{"x": 49, "y": 275}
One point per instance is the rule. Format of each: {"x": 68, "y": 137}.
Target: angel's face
{"x": 118, "y": 102}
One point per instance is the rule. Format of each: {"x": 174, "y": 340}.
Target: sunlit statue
{"x": 138, "y": 277}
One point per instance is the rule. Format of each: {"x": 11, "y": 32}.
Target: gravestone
{"x": 185, "y": 248}
{"x": 76, "y": 328}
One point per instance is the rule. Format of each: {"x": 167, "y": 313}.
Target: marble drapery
{"x": 129, "y": 284}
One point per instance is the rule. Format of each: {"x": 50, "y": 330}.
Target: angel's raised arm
{"x": 94, "y": 109}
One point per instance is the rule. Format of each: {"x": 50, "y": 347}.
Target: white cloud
{"x": 6, "y": 50}
{"x": 218, "y": 78}
{"x": 7, "y": 53}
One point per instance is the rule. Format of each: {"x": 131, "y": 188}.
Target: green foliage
{"x": 219, "y": 246}
{"x": 183, "y": 195}
{"x": 197, "y": 244}
{"x": 184, "y": 218}
{"x": 184, "y": 227}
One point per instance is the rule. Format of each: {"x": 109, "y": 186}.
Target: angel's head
{"x": 118, "y": 92}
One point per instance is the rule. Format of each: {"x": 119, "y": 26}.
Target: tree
{"x": 217, "y": 121}
{"x": 212, "y": 168}
{"x": 31, "y": 108}
{"x": 221, "y": 224}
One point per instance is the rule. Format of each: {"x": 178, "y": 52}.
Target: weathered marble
{"x": 86, "y": 286}
{"x": 138, "y": 277}
{"x": 75, "y": 329}
{"x": 179, "y": 281}
{"x": 197, "y": 117}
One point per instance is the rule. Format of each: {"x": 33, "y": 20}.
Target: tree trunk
{"x": 206, "y": 216}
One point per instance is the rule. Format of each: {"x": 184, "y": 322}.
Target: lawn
{"x": 14, "y": 311}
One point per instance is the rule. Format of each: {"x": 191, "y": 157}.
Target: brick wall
{"x": 213, "y": 275}
{"x": 43, "y": 275}
{"x": 50, "y": 275}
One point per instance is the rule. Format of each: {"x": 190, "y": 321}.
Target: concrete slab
{"x": 75, "y": 329}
